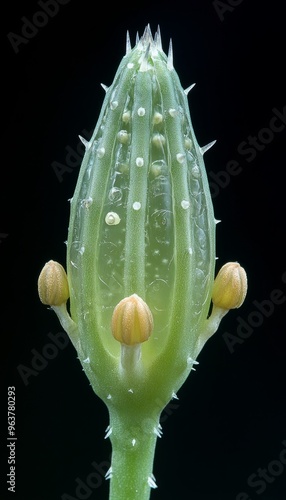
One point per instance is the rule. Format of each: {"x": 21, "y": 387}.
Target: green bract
{"x": 141, "y": 223}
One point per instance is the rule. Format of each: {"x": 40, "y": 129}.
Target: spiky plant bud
{"x": 142, "y": 218}
{"x": 230, "y": 286}
{"x": 53, "y": 286}
{"x": 141, "y": 231}
{"x": 132, "y": 321}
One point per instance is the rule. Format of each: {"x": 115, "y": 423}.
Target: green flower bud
{"x": 141, "y": 231}
{"x": 142, "y": 218}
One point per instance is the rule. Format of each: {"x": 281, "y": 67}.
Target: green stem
{"x": 133, "y": 449}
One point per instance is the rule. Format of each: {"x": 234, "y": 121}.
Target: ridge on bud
{"x": 230, "y": 286}
{"x": 132, "y": 321}
{"x": 53, "y": 286}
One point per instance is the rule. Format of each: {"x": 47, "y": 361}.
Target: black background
{"x": 230, "y": 419}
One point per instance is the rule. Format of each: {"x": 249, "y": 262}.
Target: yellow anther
{"x": 230, "y": 286}
{"x": 53, "y": 286}
{"x": 132, "y": 321}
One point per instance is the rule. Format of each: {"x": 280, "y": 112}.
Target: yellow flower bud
{"x": 230, "y": 286}
{"x": 53, "y": 286}
{"x": 132, "y": 321}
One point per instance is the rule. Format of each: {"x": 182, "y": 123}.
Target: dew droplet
{"x": 188, "y": 143}
{"x": 180, "y": 157}
{"x": 100, "y": 152}
{"x": 126, "y": 116}
{"x": 141, "y": 111}
{"x": 122, "y": 136}
{"x": 172, "y": 112}
{"x": 139, "y": 162}
{"x": 113, "y": 105}
{"x": 157, "y": 118}
{"x": 136, "y": 205}
{"x": 158, "y": 140}
{"x": 112, "y": 219}
{"x": 185, "y": 204}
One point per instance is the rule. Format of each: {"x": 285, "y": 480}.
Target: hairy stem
{"x": 133, "y": 449}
